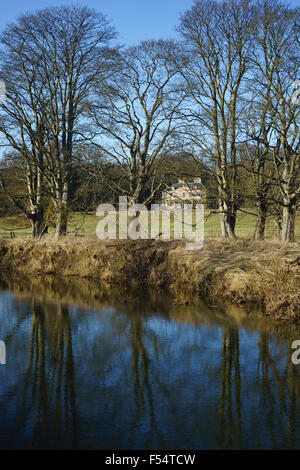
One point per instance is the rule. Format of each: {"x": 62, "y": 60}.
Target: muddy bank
{"x": 242, "y": 272}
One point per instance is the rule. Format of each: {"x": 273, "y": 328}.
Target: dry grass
{"x": 242, "y": 272}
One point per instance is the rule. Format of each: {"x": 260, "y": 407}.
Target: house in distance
{"x": 184, "y": 192}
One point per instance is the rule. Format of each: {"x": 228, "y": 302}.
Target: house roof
{"x": 187, "y": 185}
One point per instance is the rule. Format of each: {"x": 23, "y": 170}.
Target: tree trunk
{"x": 137, "y": 186}
{"x": 278, "y": 226}
{"x": 288, "y": 221}
{"x": 227, "y": 219}
{"x": 35, "y": 192}
{"x": 61, "y": 221}
{"x": 37, "y": 224}
{"x": 62, "y": 205}
{"x": 260, "y": 226}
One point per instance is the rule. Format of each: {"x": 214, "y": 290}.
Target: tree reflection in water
{"x": 230, "y": 432}
{"x": 143, "y": 373}
{"x": 49, "y": 389}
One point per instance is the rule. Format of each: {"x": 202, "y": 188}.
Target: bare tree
{"x": 137, "y": 117}
{"x": 63, "y": 53}
{"x": 257, "y": 126}
{"x": 22, "y": 127}
{"x": 213, "y": 62}
{"x": 274, "y": 43}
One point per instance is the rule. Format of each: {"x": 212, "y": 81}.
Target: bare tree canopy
{"x": 138, "y": 114}
{"x": 52, "y": 61}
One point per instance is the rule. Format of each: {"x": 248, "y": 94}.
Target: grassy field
{"x": 82, "y": 225}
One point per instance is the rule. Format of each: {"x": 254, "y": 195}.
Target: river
{"x": 102, "y": 368}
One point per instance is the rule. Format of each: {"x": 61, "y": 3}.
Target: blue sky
{"x": 135, "y": 20}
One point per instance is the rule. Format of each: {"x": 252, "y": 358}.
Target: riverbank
{"x": 242, "y": 272}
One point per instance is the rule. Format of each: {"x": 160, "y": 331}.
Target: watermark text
{"x": 159, "y": 222}
{"x": 2, "y": 352}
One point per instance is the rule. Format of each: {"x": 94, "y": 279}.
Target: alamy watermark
{"x": 158, "y": 222}
{"x": 296, "y": 92}
{"x": 2, "y": 352}
{"x": 296, "y": 354}
{"x": 2, "y": 92}
{"x": 296, "y": 83}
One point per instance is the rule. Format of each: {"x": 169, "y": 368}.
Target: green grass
{"x": 82, "y": 225}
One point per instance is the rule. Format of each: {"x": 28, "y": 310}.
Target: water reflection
{"x": 46, "y": 400}
{"x": 104, "y": 368}
{"x": 230, "y": 391}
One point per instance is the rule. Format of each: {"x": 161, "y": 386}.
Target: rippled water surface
{"x": 105, "y": 369}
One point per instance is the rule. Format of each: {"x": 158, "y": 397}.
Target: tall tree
{"x": 212, "y": 60}
{"x": 137, "y": 116}
{"x": 274, "y": 43}
{"x": 62, "y": 55}
{"x": 22, "y": 127}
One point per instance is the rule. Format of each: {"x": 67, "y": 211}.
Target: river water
{"x": 101, "y": 368}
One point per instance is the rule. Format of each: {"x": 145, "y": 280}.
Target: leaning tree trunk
{"x": 288, "y": 221}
